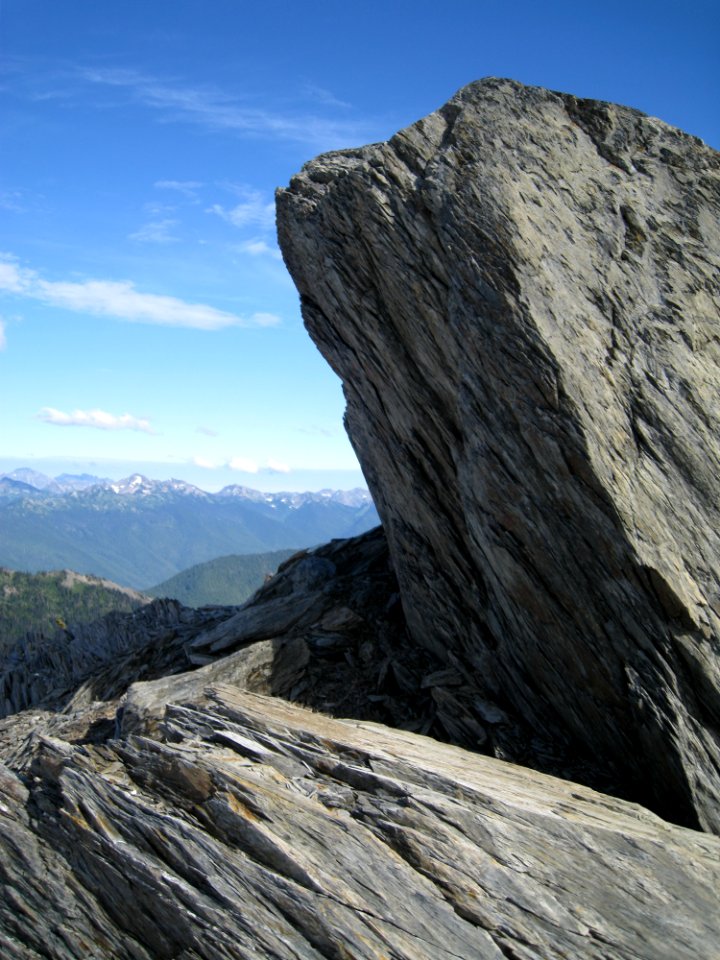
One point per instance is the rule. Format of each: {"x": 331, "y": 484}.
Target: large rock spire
{"x": 520, "y": 293}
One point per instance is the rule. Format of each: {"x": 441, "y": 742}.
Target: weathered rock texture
{"x": 98, "y": 661}
{"x": 244, "y": 827}
{"x": 327, "y": 631}
{"x": 521, "y": 295}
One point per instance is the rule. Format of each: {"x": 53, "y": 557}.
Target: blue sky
{"x": 146, "y": 319}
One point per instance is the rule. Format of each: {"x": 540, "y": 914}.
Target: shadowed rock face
{"x": 520, "y": 293}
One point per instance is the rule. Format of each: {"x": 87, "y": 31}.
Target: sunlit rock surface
{"x": 520, "y": 293}
{"x": 247, "y": 827}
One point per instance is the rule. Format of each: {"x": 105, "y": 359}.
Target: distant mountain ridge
{"x": 32, "y": 481}
{"x": 63, "y": 483}
{"x": 138, "y": 531}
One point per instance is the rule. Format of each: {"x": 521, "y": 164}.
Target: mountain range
{"x": 138, "y": 531}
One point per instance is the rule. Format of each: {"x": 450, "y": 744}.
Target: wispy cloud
{"x": 219, "y": 110}
{"x": 259, "y": 248}
{"x": 316, "y": 431}
{"x": 122, "y": 301}
{"x": 97, "y": 419}
{"x": 254, "y": 209}
{"x": 12, "y": 200}
{"x": 157, "y": 231}
{"x": 188, "y": 188}
{"x": 242, "y": 465}
{"x": 206, "y": 431}
{"x": 321, "y": 95}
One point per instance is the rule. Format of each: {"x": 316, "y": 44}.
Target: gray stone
{"x": 246, "y": 827}
{"x": 521, "y": 295}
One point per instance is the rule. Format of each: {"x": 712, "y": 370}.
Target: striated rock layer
{"x": 243, "y": 827}
{"x": 521, "y": 295}
{"x": 189, "y": 817}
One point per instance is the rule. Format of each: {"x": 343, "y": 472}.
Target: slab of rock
{"x": 246, "y": 827}
{"x": 521, "y": 295}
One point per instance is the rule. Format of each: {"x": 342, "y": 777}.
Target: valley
{"x": 137, "y": 532}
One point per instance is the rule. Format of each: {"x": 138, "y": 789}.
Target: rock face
{"x": 520, "y": 293}
{"x": 245, "y": 827}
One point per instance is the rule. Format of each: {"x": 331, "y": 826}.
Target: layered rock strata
{"x": 245, "y": 827}
{"x": 520, "y": 293}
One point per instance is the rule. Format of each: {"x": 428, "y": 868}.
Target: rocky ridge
{"x": 251, "y": 828}
{"x": 520, "y": 293}
{"x": 171, "y": 802}
{"x": 149, "y": 810}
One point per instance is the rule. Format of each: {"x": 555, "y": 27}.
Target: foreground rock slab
{"x": 521, "y": 294}
{"x": 252, "y": 828}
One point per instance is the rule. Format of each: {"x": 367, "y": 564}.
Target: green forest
{"x": 46, "y": 602}
{"x": 226, "y": 580}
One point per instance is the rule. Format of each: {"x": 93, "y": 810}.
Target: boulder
{"x": 520, "y": 293}
{"x": 246, "y": 827}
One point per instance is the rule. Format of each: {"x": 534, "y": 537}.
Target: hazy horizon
{"x": 265, "y": 480}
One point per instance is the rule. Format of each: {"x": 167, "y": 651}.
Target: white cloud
{"x": 253, "y": 210}
{"x": 98, "y": 419}
{"x": 259, "y": 248}
{"x": 243, "y": 465}
{"x": 275, "y": 466}
{"x": 13, "y": 279}
{"x": 157, "y": 231}
{"x": 207, "y": 431}
{"x": 120, "y": 299}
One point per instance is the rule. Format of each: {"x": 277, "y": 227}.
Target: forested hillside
{"x": 43, "y": 602}
{"x": 227, "y": 580}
